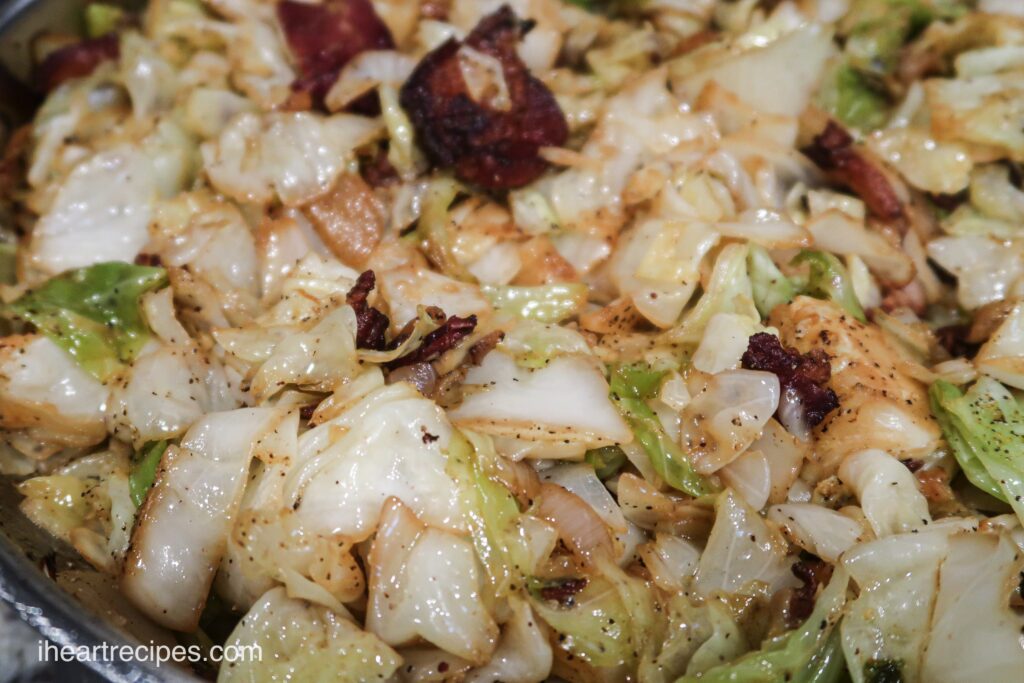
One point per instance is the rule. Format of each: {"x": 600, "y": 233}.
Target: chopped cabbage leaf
{"x": 851, "y": 96}
{"x": 975, "y": 630}
{"x": 631, "y": 387}
{"x": 492, "y": 510}
{"x": 985, "y": 428}
{"x": 610, "y": 622}
{"x": 770, "y": 287}
{"x": 828, "y": 279}
{"x": 143, "y": 470}
{"x": 534, "y": 344}
{"x": 607, "y": 461}
{"x": 807, "y": 653}
{"x": 743, "y": 553}
{"x": 889, "y": 620}
{"x": 545, "y": 303}
{"x": 93, "y": 313}
{"x": 302, "y": 643}
{"x": 101, "y": 18}
{"x": 729, "y": 290}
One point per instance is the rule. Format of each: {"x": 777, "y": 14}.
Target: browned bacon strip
{"x": 447, "y": 337}
{"x": 324, "y": 37}
{"x": 75, "y": 60}
{"x": 494, "y": 142}
{"x": 833, "y": 152}
{"x": 371, "y": 324}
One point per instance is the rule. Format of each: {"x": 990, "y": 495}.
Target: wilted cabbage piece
{"x": 100, "y": 213}
{"x": 828, "y": 279}
{"x": 87, "y": 504}
{"x": 92, "y": 313}
{"x": 143, "y": 470}
{"x": 426, "y": 583}
{"x": 808, "y": 653}
{"x": 551, "y": 303}
{"x": 182, "y": 529}
{"x": 631, "y": 387}
{"x": 477, "y": 108}
{"x": 854, "y": 98}
{"x": 323, "y": 37}
{"x": 566, "y": 401}
{"x": 299, "y": 641}
{"x": 975, "y": 630}
{"x": 49, "y": 399}
{"x": 886, "y": 627}
{"x": 291, "y": 156}
{"x": 983, "y": 427}
{"x": 743, "y": 551}
{"x": 887, "y": 491}
{"x": 389, "y": 443}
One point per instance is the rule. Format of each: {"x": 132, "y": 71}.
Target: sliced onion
{"x": 579, "y": 526}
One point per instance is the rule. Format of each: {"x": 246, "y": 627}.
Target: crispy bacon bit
{"x": 378, "y": 171}
{"x": 813, "y": 572}
{"x": 447, "y": 337}
{"x": 802, "y": 378}
{"x": 563, "y": 591}
{"x": 948, "y": 202}
{"x": 371, "y": 324}
{"x": 912, "y": 464}
{"x": 955, "y": 339}
{"x": 75, "y": 60}
{"x": 496, "y": 143}
{"x": 833, "y": 151}
{"x": 323, "y": 38}
{"x": 148, "y": 260}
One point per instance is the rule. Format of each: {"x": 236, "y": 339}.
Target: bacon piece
{"x": 75, "y": 60}
{"x": 378, "y": 171}
{"x": 446, "y": 337}
{"x": 324, "y": 37}
{"x": 495, "y": 143}
{"x": 833, "y": 151}
{"x": 371, "y": 324}
{"x": 563, "y": 591}
{"x": 955, "y": 339}
{"x": 813, "y": 573}
{"x": 802, "y": 378}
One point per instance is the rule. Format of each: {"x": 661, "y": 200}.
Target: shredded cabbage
{"x": 93, "y": 313}
{"x": 631, "y": 387}
{"x": 984, "y": 427}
